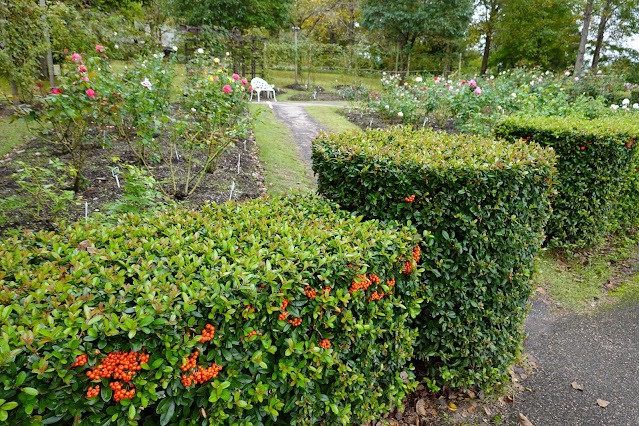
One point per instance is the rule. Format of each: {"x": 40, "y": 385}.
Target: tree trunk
{"x": 397, "y": 58}
{"x": 579, "y": 63}
{"x": 14, "y": 92}
{"x": 489, "y": 36}
{"x": 308, "y": 79}
{"x": 605, "y": 15}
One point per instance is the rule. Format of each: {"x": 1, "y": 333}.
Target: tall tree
{"x": 536, "y": 33}
{"x": 489, "y": 14}
{"x": 268, "y": 14}
{"x": 407, "y": 21}
{"x": 579, "y": 63}
{"x": 618, "y": 19}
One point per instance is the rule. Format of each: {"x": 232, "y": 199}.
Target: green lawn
{"x": 278, "y": 154}
{"x": 330, "y": 118}
{"x": 12, "y": 134}
{"x": 327, "y": 80}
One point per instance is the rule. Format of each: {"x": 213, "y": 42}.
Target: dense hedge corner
{"x": 481, "y": 206}
{"x": 281, "y": 311}
{"x": 594, "y": 172}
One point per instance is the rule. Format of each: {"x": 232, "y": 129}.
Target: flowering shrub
{"x": 481, "y": 206}
{"x": 71, "y": 112}
{"x": 594, "y": 160}
{"x": 476, "y": 104}
{"x": 278, "y": 310}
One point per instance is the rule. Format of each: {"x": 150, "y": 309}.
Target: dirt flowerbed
{"x": 365, "y": 119}
{"x": 238, "y": 168}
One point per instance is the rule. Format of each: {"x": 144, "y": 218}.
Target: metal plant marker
{"x": 232, "y": 188}
{"x": 114, "y": 172}
{"x": 239, "y": 157}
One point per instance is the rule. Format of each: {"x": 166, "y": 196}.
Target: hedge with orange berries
{"x": 481, "y": 206}
{"x": 276, "y": 311}
{"x": 597, "y": 179}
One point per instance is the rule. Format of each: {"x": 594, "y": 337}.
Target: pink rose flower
{"x": 477, "y": 91}
{"x": 56, "y": 91}
{"x": 216, "y": 78}
{"x": 39, "y": 84}
{"x": 82, "y": 69}
{"x": 91, "y": 93}
{"x": 250, "y": 88}
{"x": 244, "y": 81}
{"x": 76, "y": 57}
{"x": 235, "y": 77}
{"x": 227, "y": 89}
{"x": 85, "y": 78}
{"x": 99, "y": 48}
{"x": 472, "y": 83}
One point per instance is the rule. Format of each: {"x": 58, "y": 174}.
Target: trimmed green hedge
{"x": 481, "y": 206}
{"x": 280, "y": 311}
{"x": 594, "y": 160}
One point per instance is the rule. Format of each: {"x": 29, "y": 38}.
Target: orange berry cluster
{"x": 363, "y": 281}
{"x": 253, "y": 333}
{"x": 310, "y": 293}
{"x": 376, "y": 296}
{"x": 207, "y": 334}
{"x": 416, "y": 253}
{"x": 410, "y": 199}
{"x": 408, "y": 267}
{"x": 250, "y": 308}
{"x": 391, "y": 282}
{"x": 79, "y": 361}
{"x": 202, "y": 375}
{"x": 93, "y": 391}
{"x": 120, "y": 365}
{"x": 284, "y": 304}
{"x": 119, "y": 394}
{"x": 326, "y": 291}
{"x": 190, "y": 362}
{"x": 325, "y": 344}
{"x": 283, "y": 316}
{"x": 295, "y": 321}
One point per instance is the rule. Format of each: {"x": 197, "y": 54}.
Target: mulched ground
{"x": 247, "y": 183}
{"x": 369, "y": 119}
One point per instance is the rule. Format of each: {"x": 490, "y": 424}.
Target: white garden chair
{"x": 259, "y": 85}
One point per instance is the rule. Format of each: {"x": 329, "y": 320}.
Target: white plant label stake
{"x": 86, "y": 211}
{"x": 425, "y": 121}
{"x": 232, "y": 188}
{"x": 239, "y": 157}
{"x": 176, "y": 153}
{"x": 114, "y": 172}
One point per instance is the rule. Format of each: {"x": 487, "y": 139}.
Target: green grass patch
{"x": 329, "y": 117}
{"x": 579, "y": 282}
{"x": 328, "y": 80}
{"x": 279, "y": 155}
{"x": 12, "y": 134}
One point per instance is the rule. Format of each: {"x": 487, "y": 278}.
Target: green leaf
{"x": 30, "y": 391}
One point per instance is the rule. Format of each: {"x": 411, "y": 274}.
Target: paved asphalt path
{"x": 599, "y": 351}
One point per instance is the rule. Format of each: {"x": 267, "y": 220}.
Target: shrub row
{"x": 481, "y": 206}
{"x": 280, "y": 311}
{"x": 594, "y": 162}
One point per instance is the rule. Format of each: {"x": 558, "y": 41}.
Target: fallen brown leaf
{"x": 420, "y": 407}
{"x": 602, "y": 403}
{"x": 577, "y": 386}
{"x": 523, "y": 420}
{"x": 452, "y": 406}
{"x": 540, "y": 290}
{"x": 84, "y": 244}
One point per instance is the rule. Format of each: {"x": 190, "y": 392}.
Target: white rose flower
{"x": 386, "y": 106}
{"x": 115, "y": 33}
{"x": 567, "y": 73}
{"x": 614, "y": 107}
{"x": 635, "y": 106}
{"x": 513, "y": 94}
{"x": 400, "y": 114}
{"x": 116, "y": 46}
{"x": 626, "y": 101}
{"x": 175, "y": 48}
{"x": 418, "y": 79}
{"x": 200, "y": 50}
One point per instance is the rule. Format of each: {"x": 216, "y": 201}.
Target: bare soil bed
{"x": 101, "y": 189}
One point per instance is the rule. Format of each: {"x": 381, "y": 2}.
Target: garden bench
{"x": 260, "y": 85}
